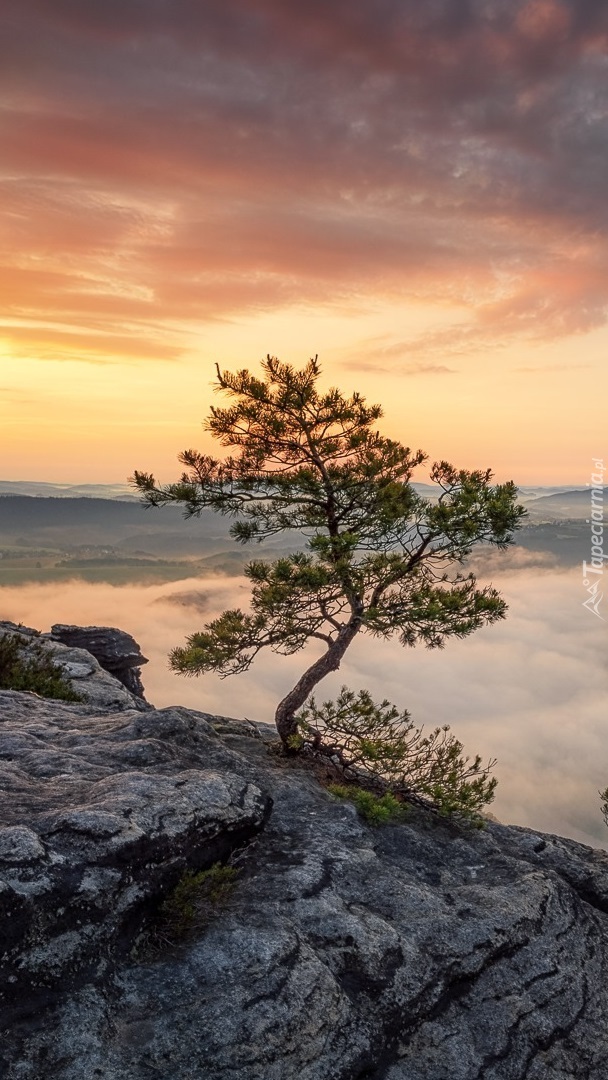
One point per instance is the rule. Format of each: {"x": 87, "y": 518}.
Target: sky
{"x": 545, "y": 724}
{"x": 416, "y": 192}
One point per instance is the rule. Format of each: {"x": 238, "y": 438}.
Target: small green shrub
{"x": 375, "y": 809}
{"x": 27, "y": 666}
{"x": 198, "y": 897}
{"x": 377, "y": 741}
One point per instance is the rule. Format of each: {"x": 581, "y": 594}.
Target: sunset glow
{"x": 416, "y": 193}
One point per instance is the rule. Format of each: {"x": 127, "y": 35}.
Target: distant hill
{"x": 62, "y": 522}
{"x": 68, "y": 491}
{"x": 567, "y": 540}
{"x": 564, "y": 505}
{"x": 125, "y": 493}
{"x": 120, "y": 492}
{"x": 535, "y": 492}
{"x": 38, "y": 529}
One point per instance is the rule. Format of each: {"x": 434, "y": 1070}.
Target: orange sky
{"x": 416, "y": 193}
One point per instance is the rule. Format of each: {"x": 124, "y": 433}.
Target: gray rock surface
{"x": 100, "y": 815}
{"x": 117, "y": 652}
{"x": 409, "y": 952}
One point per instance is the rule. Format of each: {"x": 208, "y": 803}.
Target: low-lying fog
{"x": 530, "y": 691}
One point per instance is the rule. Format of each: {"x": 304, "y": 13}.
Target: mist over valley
{"x": 530, "y": 691}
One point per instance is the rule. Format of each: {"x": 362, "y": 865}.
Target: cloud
{"x": 398, "y": 369}
{"x": 62, "y": 344}
{"x": 529, "y": 691}
{"x": 552, "y": 368}
{"x": 177, "y": 162}
{"x": 380, "y": 354}
{"x": 15, "y": 395}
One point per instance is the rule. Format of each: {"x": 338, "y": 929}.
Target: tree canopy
{"x": 377, "y": 558}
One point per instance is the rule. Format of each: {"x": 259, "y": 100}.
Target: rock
{"x": 84, "y": 673}
{"x": 116, "y": 651}
{"x": 100, "y": 815}
{"x": 418, "y": 951}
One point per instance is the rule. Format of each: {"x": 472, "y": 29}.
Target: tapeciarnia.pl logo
{"x": 593, "y": 571}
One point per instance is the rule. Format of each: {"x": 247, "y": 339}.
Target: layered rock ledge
{"x": 416, "y": 951}
{"x": 116, "y": 651}
{"x": 93, "y": 677}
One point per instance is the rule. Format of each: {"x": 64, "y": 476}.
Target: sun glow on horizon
{"x": 171, "y": 201}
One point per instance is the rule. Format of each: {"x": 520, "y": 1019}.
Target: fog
{"x": 530, "y": 691}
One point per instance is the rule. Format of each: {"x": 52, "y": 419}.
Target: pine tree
{"x": 378, "y": 558}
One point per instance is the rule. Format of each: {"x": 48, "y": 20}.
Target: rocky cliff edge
{"x": 417, "y": 951}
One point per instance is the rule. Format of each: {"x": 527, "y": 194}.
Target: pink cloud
{"x": 184, "y": 161}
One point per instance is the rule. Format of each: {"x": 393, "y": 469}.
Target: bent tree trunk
{"x": 330, "y": 661}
